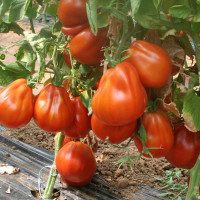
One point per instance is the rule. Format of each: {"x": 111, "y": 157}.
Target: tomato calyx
{"x": 152, "y": 106}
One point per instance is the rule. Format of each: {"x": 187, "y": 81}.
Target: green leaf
{"x": 157, "y": 3}
{"x": 4, "y": 6}
{"x": 102, "y": 19}
{"x": 191, "y": 108}
{"x": 34, "y": 12}
{"x": 195, "y": 26}
{"x": 6, "y": 27}
{"x": 135, "y": 4}
{"x": 84, "y": 69}
{"x": 12, "y": 72}
{"x": 52, "y": 10}
{"x": 197, "y": 17}
{"x": 194, "y": 81}
{"x": 143, "y": 134}
{"x": 180, "y": 11}
{"x": 18, "y": 10}
{"x": 91, "y": 7}
{"x": 86, "y": 99}
{"x": 40, "y": 2}
{"x": 2, "y": 56}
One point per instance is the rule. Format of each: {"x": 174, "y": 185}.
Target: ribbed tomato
{"x": 81, "y": 124}
{"x": 86, "y": 47}
{"x": 16, "y": 104}
{"x": 53, "y": 110}
{"x": 114, "y": 134}
{"x": 120, "y": 98}
{"x": 72, "y": 12}
{"x": 159, "y": 133}
{"x": 76, "y": 163}
{"x": 152, "y": 63}
{"x": 186, "y": 148}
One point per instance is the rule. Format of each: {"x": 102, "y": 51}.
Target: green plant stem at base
{"x": 53, "y": 172}
{"x": 193, "y": 190}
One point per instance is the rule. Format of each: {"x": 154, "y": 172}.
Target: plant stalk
{"x": 53, "y": 172}
{"x": 193, "y": 190}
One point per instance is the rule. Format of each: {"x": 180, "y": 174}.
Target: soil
{"x": 123, "y": 178}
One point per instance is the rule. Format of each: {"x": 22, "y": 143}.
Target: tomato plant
{"x": 87, "y": 47}
{"x": 53, "y": 110}
{"x": 159, "y": 134}
{"x": 81, "y": 124}
{"x": 185, "y": 149}
{"x": 16, "y": 104}
{"x": 152, "y": 63}
{"x": 120, "y": 98}
{"x": 76, "y": 163}
{"x": 72, "y": 13}
{"x": 114, "y": 134}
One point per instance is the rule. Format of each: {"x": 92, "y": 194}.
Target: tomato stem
{"x": 193, "y": 190}
{"x": 59, "y": 138}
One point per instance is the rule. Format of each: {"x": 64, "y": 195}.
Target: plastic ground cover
{"x": 30, "y": 160}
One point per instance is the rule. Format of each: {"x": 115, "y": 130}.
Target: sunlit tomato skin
{"x": 114, "y": 134}
{"x": 159, "y": 134}
{"x": 152, "y": 63}
{"x": 120, "y": 98}
{"x": 81, "y": 124}
{"x": 73, "y": 30}
{"x": 76, "y": 163}
{"x": 53, "y": 110}
{"x": 16, "y": 104}
{"x": 72, "y": 12}
{"x": 186, "y": 148}
{"x": 86, "y": 48}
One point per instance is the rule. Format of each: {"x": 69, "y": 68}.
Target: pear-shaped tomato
{"x": 86, "y": 47}
{"x": 114, "y": 134}
{"x": 152, "y": 63}
{"x": 53, "y": 110}
{"x": 81, "y": 124}
{"x": 120, "y": 98}
{"x": 76, "y": 163}
{"x": 16, "y": 104}
{"x": 159, "y": 133}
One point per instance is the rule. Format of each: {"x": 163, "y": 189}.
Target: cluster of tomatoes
{"x": 118, "y": 104}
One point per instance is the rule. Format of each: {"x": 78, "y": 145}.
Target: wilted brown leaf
{"x": 188, "y": 122}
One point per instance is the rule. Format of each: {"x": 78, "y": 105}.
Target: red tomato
{"x": 72, "y": 13}
{"x": 53, "y": 110}
{"x": 159, "y": 134}
{"x": 86, "y": 48}
{"x": 115, "y": 134}
{"x": 16, "y": 104}
{"x": 81, "y": 124}
{"x": 152, "y": 63}
{"x": 120, "y": 98}
{"x": 73, "y": 30}
{"x": 186, "y": 148}
{"x": 76, "y": 163}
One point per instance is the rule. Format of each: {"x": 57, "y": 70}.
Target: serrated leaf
{"x": 180, "y": 11}
{"x": 135, "y": 4}
{"x": 18, "y": 10}
{"x": 33, "y": 13}
{"x": 191, "y": 108}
